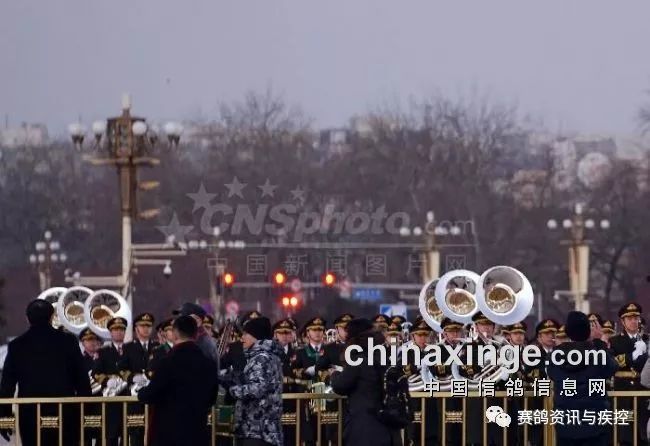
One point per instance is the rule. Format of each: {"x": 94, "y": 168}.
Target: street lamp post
{"x": 578, "y": 253}
{"x": 126, "y": 141}
{"x": 47, "y": 254}
{"x": 430, "y": 255}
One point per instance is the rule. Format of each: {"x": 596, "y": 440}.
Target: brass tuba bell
{"x": 70, "y": 308}
{"x": 504, "y": 295}
{"x": 429, "y": 308}
{"x": 52, "y": 295}
{"x": 101, "y": 306}
{"x": 455, "y": 295}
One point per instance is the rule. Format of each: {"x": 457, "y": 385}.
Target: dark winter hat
{"x": 577, "y": 326}
{"x": 189, "y": 309}
{"x": 358, "y": 326}
{"x": 259, "y": 328}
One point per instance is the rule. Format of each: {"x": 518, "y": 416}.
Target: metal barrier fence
{"x": 310, "y": 408}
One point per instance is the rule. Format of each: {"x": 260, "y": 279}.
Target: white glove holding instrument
{"x": 640, "y": 348}
{"x": 311, "y": 371}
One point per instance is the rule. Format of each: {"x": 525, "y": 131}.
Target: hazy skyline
{"x": 580, "y": 65}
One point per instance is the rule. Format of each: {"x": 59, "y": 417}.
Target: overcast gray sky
{"x": 579, "y": 65}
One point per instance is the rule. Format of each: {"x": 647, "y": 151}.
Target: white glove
{"x": 113, "y": 383}
{"x": 640, "y": 348}
{"x": 338, "y": 368}
{"x": 140, "y": 379}
{"x": 311, "y": 371}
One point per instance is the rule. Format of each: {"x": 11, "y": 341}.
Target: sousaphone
{"x": 70, "y": 308}
{"x": 504, "y": 295}
{"x": 103, "y": 305}
{"x": 455, "y": 294}
{"x": 52, "y": 295}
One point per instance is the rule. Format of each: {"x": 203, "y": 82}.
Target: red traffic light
{"x": 279, "y": 279}
{"x": 286, "y": 301}
{"x": 293, "y": 301}
{"x": 329, "y": 279}
{"x": 228, "y": 279}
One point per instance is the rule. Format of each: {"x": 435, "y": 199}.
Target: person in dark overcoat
{"x": 582, "y": 399}
{"x": 47, "y": 363}
{"x": 362, "y": 385}
{"x": 182, "y": 391}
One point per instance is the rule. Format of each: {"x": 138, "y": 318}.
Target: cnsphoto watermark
{"x": 260, "y": 211}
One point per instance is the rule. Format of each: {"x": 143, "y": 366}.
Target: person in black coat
{"x": 182, "y": 391}
{"x": 46, "y": 363}
{"x": 362, "y": 385}
{"x": 578, "y": 329}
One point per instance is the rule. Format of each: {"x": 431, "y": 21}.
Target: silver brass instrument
{"x": 331, "y": 336}
{"x": 455, "y": 294}
{"x": 70, "y": 308}
{"x": 95, "y": 387}
{"x": 319, "y": 405}
{"x": 52, "y": 295}
{"x": 406, "y": 331}
{"x": 504, "y": 295}
{"x": 101, "y": 306}
{"x": 429, "y": 308}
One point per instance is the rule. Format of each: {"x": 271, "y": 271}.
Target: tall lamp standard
{"x": 47, "y": 254}
{"x": 125, "y": 142}
{"x": 578, "y": 253}
{"x": 430, "y": 255}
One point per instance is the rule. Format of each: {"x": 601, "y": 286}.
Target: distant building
{"x": 25, "y": 135}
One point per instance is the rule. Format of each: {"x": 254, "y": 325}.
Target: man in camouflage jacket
{"x": 258, "y": 390}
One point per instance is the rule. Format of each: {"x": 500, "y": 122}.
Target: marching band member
{"x": 516, "y": 335}
{"x": 165, "y": 328}
{"x": 208, "y": 324}
{"x": 284, "y": 332}
{"x": 545, "y": 332}
{"x": 304, "y": 367}
{"x": 331, "y": 360}
{"x": 134, "y": 365}
{"x": 451, "y": 335}
{"x": 381, "y": 322}
{"x": 485, "y": 328}
{"x": 561, "y": 336}
{"x": 607, "y": 332}
{"x": 91, "y": 344}
{"x": 393, "y": 334}
{"x": 420, "y": 334}
{"x": 333, "y": 353}
{"x": 107, "y": 373}
{"x": 630, "y": 351}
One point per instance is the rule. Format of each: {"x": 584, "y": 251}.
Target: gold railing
{"x": 454, "y": 422}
